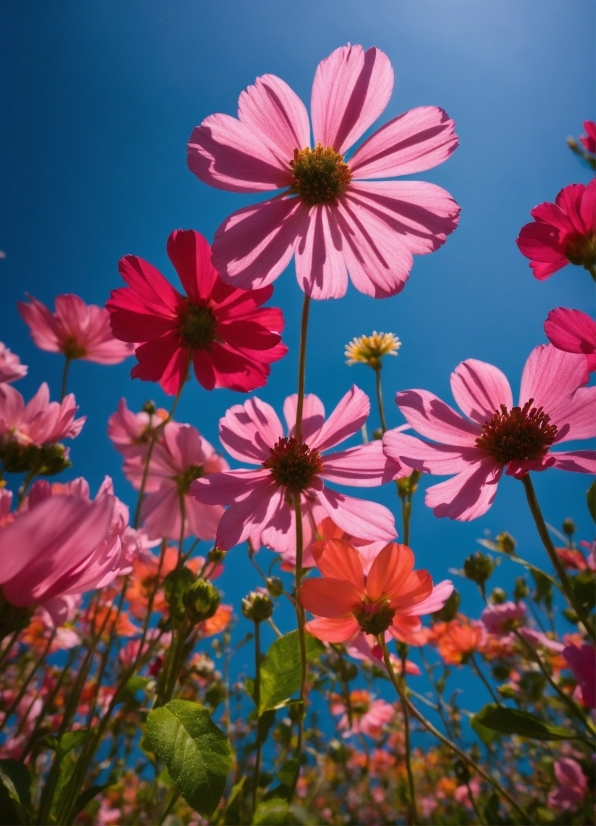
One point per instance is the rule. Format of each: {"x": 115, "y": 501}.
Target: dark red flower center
{"x": 198, "y": 326}
{"x": 581, "y": 249}
{"x": 374, "y": 617}
{"x": 293, "y": 464}
{"x": 320, "y": 175}
{"x": 72, "y": 349}
{"x": 183, "y": 480}
{"x": 522, "y": 434}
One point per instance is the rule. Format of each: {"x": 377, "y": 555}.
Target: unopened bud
{"x": 521, "y": 589}
{"x": 175, "y": 585}
{"x": 498, "y": 596}
{"x": 569, "y": 527}
{"x": 478, "y": 567}
{"x": 216, "y": 555}
{"x": 201, "y": 600}
{"x": 377, "y": 433}
{"x": 506, "y": 543}
{"x": 275, "y": 586}
{"x": 257, "y": 605}
{"x": 149, "y": 407}
{"x": 462, "y": 772}
{"x": 501, "y": 671}
{"x": 449, "y": 610}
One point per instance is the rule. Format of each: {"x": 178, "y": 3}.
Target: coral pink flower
{"x": 589, "y": 140}
{"x": 224, "y": 331}
{"x": 563, "y": 232}
{"x": 328, "y": 216}
{"x": 572, "y": 785}
{"x": 574, "y": 332}
{"x": 131, "y": 433}
{"x": 347, "y": 601}
{"x": 39, "y": 422}
{"x": 582, "y": 662}
{"x": 553, "y": 408}
{"x": 79, "y": 330}
{"x": 183, "y": 456}
{"x": 261, "y": 500}
{"x": 457, "y": 639}
{"x": 11, "y": 368}
{"x": 368, "y": 716}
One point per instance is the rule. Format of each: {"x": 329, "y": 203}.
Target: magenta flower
{"x": 496, "y": 436}
{"x": 582, "y": 662}
{"x": 562, "y": 233}
{"x": 572, "y": 785}
{"x": 40, "y": 421}
{"x": 131, "y": 433}
{"x": 223, "y": 331}
{"x": 589, "y": 139}
{"x": 574, "y": 332}
{"x": 181, "y": 457}
{"x": 11, "y": 368}
{"x": 500, "y": 620}
{"x": 332, "y": 220}
{"x": 261, "y": 500}
{"x": 76, "y": 329}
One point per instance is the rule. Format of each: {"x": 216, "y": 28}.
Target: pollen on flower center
{"x": 522, "y": 433}
{"x": 581, "y": 249}
{"x": 374, "y": 617}
{"x": 320, "y": 174}
{"x": 293, "y": 464}
{"x": 198, "y": 326}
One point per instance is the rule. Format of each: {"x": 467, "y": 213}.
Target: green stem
{"x": 302, "y": 367}
{"x": 429, "y": 727}
{"x": 407, "y": 745}
{"x": 67, "y": 361}
{"x": 9, "y": 711}
{"x": 479, "y": 674}
{"x": 592, "y": 267}
{"x": 257, "y": 698}
{"x": 553, "y": 556}
{"x": 377, "y": 370}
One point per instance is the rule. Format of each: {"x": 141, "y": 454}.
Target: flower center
{"x": 183, "y": 480}
{"x": 374, "y": 617}
{"x": 72, "y": 349}
{"x": 198, "y": 326}
{"x": 293, "y": 464}
{"x": 320, "y": 175}
{"x": 522, "y": 433}
{"x": 581, "y": 249}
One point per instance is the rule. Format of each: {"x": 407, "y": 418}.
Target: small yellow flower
{"x": 371, "y": 349}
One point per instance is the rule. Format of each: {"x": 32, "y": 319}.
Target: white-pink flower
{"x": 11, "y": 368}
{"x": 182, "y": 456}
{"x": 39, "y": 422}
{"x": 76, "y": 329}
{"x": 554, "y": 407}
{"x": 260, "y": 500}
{"x": 329, "y": 216}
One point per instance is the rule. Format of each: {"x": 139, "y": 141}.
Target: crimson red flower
{"x": 562, "y": 233}
{"x": 223, "y": 330}
{"x": 589, "y": 139}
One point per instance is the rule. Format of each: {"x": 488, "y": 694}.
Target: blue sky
{"x": 98, "y": 100}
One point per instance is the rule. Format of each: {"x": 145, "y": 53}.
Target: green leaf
{"x": 281, "y": 669}
{"x": 591, "y": 499}
{"x": 287, "y": 774}
{"x": 20, "y": 778}
{"x": 487, "y": 735}
{"x": 491, "y": 810}
{"x": 513, "y": 721}
{"x": 275, "y": 812}
{"x": 72, "y": 740}
{"x": 15, "y": 793}
{"x": 197, "y": 753}
{"x": 87, "y": 796}
{"x": 584, "y": 589}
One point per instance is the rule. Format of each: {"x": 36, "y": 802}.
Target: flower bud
{"x": 201, "y": 600}
{"x": 569, "y": 527}
{"x": 257, "y": 605}
{"x": 149, "y": 407}
{"x": 521, "y": 588}
{"x": 506, "y": 543}
{"x": 498, "y": 596}
{"x": 275, "y": 586}
{"x": 175, "y": 586}
{"x": 377, "y": 433}
{"x": 478, "y": 567}
{"x": 216, "y": 555}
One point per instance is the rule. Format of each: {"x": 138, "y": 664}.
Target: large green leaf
{"x": 513, "y": 721}
{"x": 591, "y": 499}
{"x": 197, "y": 753}
{"x": 281, "y": 669}
{"x": 275, "y": 812}
{"x": 15, "y": 792}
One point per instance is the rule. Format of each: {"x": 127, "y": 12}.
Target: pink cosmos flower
{"x": 332, "y": 220}
{"x": 582, "y": 662}
{"x": 368, "y": 716}
{"x": 500, "y": 620}
{"x": 79, "y": 330}
{"x": 572, "y": 785}
{"x": 11, "y": 368}
{"x": 224, "y": 331}
{"x": 572, "y": 331}
{"x": 563, "y": 232}
{"x": 495, "y": 436}
{"x": 365, "y": 647}
{"x": 39, "y": 422}
{"x": 346, "y": 601}
{"x": 131, "y": 433}
{"x": 589, "y": 139}
{"x": 261, "y": 501}
{"x": 183, "y": 456}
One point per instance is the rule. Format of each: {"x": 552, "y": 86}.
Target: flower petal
{"x": 551, "y": 377}
{"x": 350, "y": 90}
{"x": 248, "y": 431}
{"x": 439, "y": 596}
{"x": 255, "y": 244}
{"x": 389, "y": 571}
{"x": 163, "y": 360}
{"x": 190, "y": 254}
{"x": 358, "y": 517}
{"x": 333, "y": 630}
{"x": 227, "y": 154}
{"x": 363, "y": 466}
{"x": 480, "y": 389}
{"x": 313, "y": 415}
{"x": 426, "y": 456}
{"x": 412, "y": 142}
{"x": 571, "y": 330}
{"x": 274, "y": 112}
{"x": 228, "y": 486}
{"x": 250, "y": 515}
{"x": 320, "y": 266}
{"x": 467, "y": 495}
{"x": 577, "y": 461}
{"x": 346, "y": 419}
{"x": 337, "y": 559}
{"x": 431, "y": 417}
{"x": 332, "y": 598}
{"x": 415, "y": 590}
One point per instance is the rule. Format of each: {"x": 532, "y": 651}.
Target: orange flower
{"x": 457, "y": 639}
